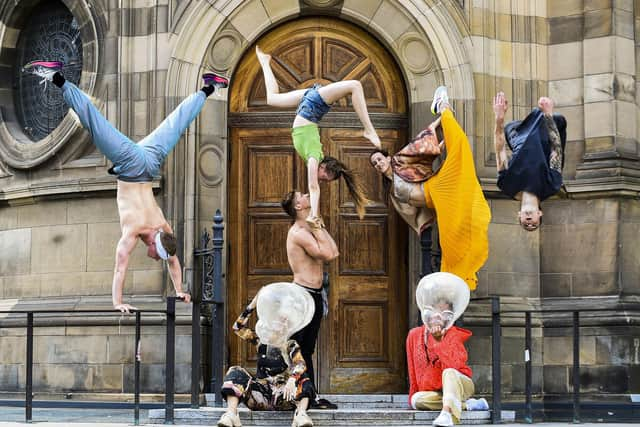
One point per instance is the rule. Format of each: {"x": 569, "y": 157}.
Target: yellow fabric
{"x": 462, "y": 212}
{"x": 456, "y": 389}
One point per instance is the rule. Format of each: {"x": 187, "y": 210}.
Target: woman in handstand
{"x": 313, "y": 104}
{"x": 452, "y": 195}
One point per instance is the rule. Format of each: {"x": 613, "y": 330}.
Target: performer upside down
{"x": 135, "y": 164}
{"x": 312, "y": 105}
{"x": 452, "y": 195}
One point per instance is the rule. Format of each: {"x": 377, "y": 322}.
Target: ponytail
{"x": 357, "y": 193}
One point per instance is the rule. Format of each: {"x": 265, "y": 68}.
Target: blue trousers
{"x": 134, "y": 162}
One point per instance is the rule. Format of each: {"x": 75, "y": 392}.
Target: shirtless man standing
{"x": 136, "y": 165}
{"x": 308, "y": 248}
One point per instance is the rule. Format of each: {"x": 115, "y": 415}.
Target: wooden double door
{"x": 361, "y": 343}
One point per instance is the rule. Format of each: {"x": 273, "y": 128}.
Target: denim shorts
{"x": 312, "y": 107}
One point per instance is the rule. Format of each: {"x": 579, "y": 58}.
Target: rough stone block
{"x": 518, "y": 378}
{"x": 88, "y": 211}
{"x": 599, "y": 88}
{"x": 9, "y": 378}
{"x": 45, "y": 213}
{"x": 556, "y": 285}
{"x": 556, "y": 379}
{"x": 566, "y": 29}
{"x": 250, "y": 19}
{"x": 515, "y": 284}
{"x": 564, "y": 58}
{"x": 280, "y": 9}
{"x": 8, "y": 218}
{"x": 557, "y": 351}
{"x": 513, "y": 250}
{"x": 598, "y": 55}
{"x": 623, "y": 23}
{"x": 152, "y": 378}
{"x": 575, "y": 120}
{"x": 15, "y": 247}
{"x": 567, "y": 92}
{"x": 595, "y": 283}
{"x": 564, "y": 8}
{"x": 609, "y": 379}
{"x": 58, "y": 249}
{"x": 391, "y": 20}
{"x": 626, "y": 125}
{"x": 599, "y": 119}
{"x": 71, "y": 349}
{"x": 598, "y": 23}
{"x": 147, "y": 282}
{"x": 13, "y": 350}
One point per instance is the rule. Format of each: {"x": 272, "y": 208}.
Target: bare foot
{"x": 373, "y": 137}
{"x": 546, "y": 105}
{"x": 262, "y": 57}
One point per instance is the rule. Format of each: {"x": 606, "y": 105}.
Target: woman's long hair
{"x": 339, "y": 169}
{"x": 386, "y": 182}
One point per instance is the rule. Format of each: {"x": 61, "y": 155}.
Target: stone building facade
{"x": 139, "y": 58}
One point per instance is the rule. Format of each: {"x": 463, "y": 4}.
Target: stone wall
{"x": 59, "y": 223}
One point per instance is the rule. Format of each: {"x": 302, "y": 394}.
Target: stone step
{"x": 357, "y": 401}
{"x": 339, "y": 417}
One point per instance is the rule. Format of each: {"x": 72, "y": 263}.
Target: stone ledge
{"x": 361, "y": 417}
{"x": 79, "y": 188}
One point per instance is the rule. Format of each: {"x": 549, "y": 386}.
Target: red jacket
{"x": 426, "y": 366}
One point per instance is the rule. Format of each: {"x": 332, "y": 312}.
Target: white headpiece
{"x": 283, "y": 309}
{"x": 437, "y": 287}
{"x": 160, "y": 250}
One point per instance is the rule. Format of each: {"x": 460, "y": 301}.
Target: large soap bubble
{"x": 283, "y": 309}
{"x": 442, "y": 295}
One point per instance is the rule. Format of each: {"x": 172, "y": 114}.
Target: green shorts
{"x": 306, "y": 141}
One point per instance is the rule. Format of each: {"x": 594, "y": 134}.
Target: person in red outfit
{"x": 439, "y": 376}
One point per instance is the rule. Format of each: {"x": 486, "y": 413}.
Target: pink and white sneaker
{"x": 215, "y": 80}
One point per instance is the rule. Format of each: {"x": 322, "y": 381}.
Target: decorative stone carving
{"x": 322, "y": 3}
{"x": 416, "y": 53}
{"x": 211, "y": 165}
{"x": 28, "y": 143}
{"x": 225, "y": 49}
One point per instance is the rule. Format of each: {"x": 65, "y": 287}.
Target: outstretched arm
{"x": 126, "y": 244}
{"x": 500, "y": 106}
{"x": 240, "y": 325}
{"x": 555, "y": 158}
{"x": 175, "y": 271}
{"x": 314, "y": 186}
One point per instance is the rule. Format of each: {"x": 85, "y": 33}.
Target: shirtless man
{"x": 308, "y": 248}
{"x": 136, "y": 165}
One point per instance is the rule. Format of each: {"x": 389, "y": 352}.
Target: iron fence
{"x": 170, "y": 313}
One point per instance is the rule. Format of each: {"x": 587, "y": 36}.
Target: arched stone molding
{"x": 13, "y": 151}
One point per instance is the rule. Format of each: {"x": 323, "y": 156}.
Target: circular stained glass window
{"x": 51, "y": 34}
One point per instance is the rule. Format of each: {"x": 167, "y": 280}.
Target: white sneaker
{"x": 440, "y": 99}
{"x": 477, "y": 404}
{"x": 443, "y": 420}
{"x": 301, "y": 419}
{"x": 229, "y": 419}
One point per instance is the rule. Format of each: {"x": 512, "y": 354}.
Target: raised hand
{"x": 500, "y": 106}
{"x": 546, "y": 105}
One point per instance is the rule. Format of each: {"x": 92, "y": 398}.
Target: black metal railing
{"x": 210, "y": 294}
{"x": 575, "y": 324}
{"x": 170, "y": 313}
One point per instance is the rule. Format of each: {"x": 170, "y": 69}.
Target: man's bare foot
{"x": 373, "y": 137}
{"x": 500, "y": 106}
{"x": 546, "y": 105}
{"x": 262, "y": 57}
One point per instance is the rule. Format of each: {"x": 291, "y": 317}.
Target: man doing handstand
{"x": 135, "y": 164}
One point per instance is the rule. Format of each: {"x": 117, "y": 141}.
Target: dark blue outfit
{"x": 312, "y": 107}
{"x": 529, "y": 168}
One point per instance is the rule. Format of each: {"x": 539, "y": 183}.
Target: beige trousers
{"x": 456, "y": 388}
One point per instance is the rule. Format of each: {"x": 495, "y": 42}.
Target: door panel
{"x": 361, "y": 344}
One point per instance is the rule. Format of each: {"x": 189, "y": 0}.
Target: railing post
{"x": 195, "y": 348}
{"x": 170, "y": 361}
{"x": 496, "y": 413}
{"x": 528, "y": 418}
{"x": 136, "y": 364}
{"x": 28, "y": 415}
{"x": 576, "y": 367}
{"x": 217, "y": 310}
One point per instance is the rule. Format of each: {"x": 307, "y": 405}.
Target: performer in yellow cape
{"x": 452, "y": 195}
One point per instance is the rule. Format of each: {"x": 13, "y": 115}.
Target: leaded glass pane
{"x": 51, "y": 34}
